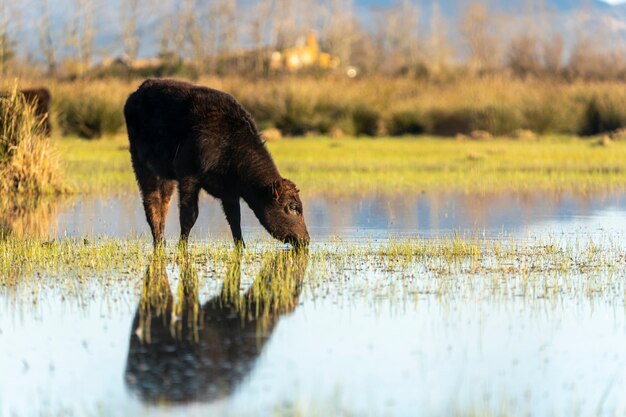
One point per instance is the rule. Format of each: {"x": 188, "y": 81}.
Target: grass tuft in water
{"x": 275, "y": 277}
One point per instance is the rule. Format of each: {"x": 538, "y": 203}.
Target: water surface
{"x": 350, "y": 337}
{"x": 359, "y": 217}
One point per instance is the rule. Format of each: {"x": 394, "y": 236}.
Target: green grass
{"x": 22, "y": 258}
{"x": 394, "y": 165}
{"x": 395, "y": 272}
{"x": 97, "y": 166}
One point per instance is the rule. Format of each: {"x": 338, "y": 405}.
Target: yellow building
{"x": 306, "y": 54}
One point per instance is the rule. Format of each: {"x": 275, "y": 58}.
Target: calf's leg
{"x": 150, "y": 186}
{"x": 232, "y": 211}
{"x": 188, "y": 190}
{"x": 166, "y": 189}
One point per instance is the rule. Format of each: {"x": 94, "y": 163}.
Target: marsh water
{"x": 359, "y": 338}
{"x": 358, "y": 218}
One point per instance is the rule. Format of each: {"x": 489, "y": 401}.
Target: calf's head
{"x": 281, "y": 213}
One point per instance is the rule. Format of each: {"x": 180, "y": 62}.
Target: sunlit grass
{"x": 441, "y": 264}
{"x": 393, "y": 166}
{"x": 98, "y": 166}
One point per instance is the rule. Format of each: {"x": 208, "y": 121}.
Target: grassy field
{"x": 393, "y": 165}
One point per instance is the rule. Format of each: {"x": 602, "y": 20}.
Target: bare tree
{"x": 476, "y": 30}
{"x": 192, "y": 34}
{"x": 309, "y": 14}
{"x": 165, "y": 40}
{"x": 407, "y": 35}
{"x": 523, "y": 55}
{"x": 88, "y": 34}
{"x": 222, "y": 35}
{"x": 589, "y": 61}
{"x": 440, "y": 48}
{"x": 585, "y": 61}
{"x": 365, "y": 55}
{"x": 226, "y": 16}
{"x": 553, "y": 50}
{"x": 6, "y": 43}
{"x": 284, "y": 27}
{"x": 46, "y": 41}
{"x": 399, "y": 38}
{"x": 81, "y": 34}
{"x": 259, "y": 17}
{"x": 176, "y": 32}
{"x": 163, "y": 11}
{"x": 130, "y": 35}
{"x": 341, "y": 30}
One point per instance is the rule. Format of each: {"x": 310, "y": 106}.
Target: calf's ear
{"x": 274, "y": 190}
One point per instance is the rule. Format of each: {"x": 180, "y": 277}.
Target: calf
{"x": 200, "y": 138}
{"x": 39, "y": 98}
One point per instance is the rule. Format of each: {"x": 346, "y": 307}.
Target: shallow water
{"x": 377, "y": 217}
{"x": 356, "y": 337}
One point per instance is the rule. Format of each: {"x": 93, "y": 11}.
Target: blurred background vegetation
{"x": 463, "y": 68}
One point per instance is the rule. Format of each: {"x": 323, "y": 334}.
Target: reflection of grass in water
{"x": 437, "y": 266}
{"x": 183, "y": 348}
{"x": 395, "y": 165}
{"x": 335, "y": 405}
{"x": 274, "y": 291}
{"x": 27, "y": 217}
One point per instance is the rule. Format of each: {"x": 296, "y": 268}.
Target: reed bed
{"x": 29, "y": 163}
{"x": 375, "y": 105}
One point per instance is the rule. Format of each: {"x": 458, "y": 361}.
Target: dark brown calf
{"x": 200, "y": 138}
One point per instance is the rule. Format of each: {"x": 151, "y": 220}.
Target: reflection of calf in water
{"x": 186, "y": 352}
